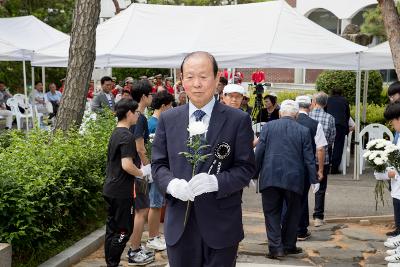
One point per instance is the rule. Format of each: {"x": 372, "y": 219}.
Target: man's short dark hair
{"x": 162, "y": 98}
{"x": 36, "y": 83}
{"x": 2, "y": 82}
{"x": 124, "y": 106}
{"x": 223, "y": 80}
{"x": 211, "y": 57}
{"x": 392, "y": 111}
{"x": 394, "y": 88}
{"x": 271, "y": 98}
{"x": 336, "y": 91}
{"x": 105, "y": 79}
{"x": 139, "y": 89}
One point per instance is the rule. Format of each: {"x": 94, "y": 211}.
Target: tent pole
{"x": 33, "y": 77}
{"x": 26, "y": 93}
{"x": 357, "y": 118}
{"x": 44, "y": 79}
{"x": 365, "y": 97}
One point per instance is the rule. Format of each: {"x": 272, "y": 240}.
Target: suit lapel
{"x": 215, "y": 126}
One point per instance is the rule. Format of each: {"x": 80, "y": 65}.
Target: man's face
{"x": 220, "y": 87}
{"x": 2, "y": 87}
{"x": 107, "y": 86}
{"x": 233, "y": 100}
{"x": 39, "y": 87}
{"x": 52, "y": 88}
{"x": 198, "y": 80}
{"x": 129, "y": 84}
{"x": 394, "y": 98}
{"x": 396, "y": 124}
{"x": 147, "y": 100}
{"x": 245, "y": 101}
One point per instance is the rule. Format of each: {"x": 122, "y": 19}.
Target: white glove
{"x": 203, "y": 183}
{"x": 315, "y": 187}
{"x": 179, "y": 188}
{"x": 381, "y": 176}
{"x": 146, "y": 170}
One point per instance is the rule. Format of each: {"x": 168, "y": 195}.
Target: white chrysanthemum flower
{"x": 367, "y": 154}
{"x": 373, "y": 155}
{"x": 197, "y": 128}
{"x": 378, "y": 161}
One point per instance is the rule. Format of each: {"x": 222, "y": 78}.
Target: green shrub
{"x": 51, "y": 182}
{"x": 346, "y": 80}
{"x": 374, "y": 113}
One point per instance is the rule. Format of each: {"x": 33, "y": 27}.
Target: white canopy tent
{"x": 230, "y": 33}
{"x": 377, "y": 57}
{"x": 21, "y": 36}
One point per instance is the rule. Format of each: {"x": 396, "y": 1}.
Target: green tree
{"x": 373, "y": 23}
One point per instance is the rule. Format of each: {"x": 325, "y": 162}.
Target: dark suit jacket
{"x": 218, "y": 214}
{"x": 100, "y": 101}
{"x": 283, "y": 153}
{"x": 339, "y": 108}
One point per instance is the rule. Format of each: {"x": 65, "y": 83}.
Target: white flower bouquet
{"x": 382, "y": 155}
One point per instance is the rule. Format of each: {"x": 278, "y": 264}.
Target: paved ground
{"x": 334, "y": 244}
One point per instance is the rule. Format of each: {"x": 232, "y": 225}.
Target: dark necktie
{"x": 199, "y": 114}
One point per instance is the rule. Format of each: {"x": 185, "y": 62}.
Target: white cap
{"x": 303, "y": 99}
{"x": 234, "y": 88}
{"x": 289, "y": 106}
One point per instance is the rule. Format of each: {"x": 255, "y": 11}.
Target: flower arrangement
{"x": 383, "y": 156}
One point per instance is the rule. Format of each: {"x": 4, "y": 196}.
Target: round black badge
{"x": 222, "y": 151}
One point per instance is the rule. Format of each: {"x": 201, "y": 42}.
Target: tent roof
{"x": 8, "y": 52}
{"x": 268, "y": 34}
{"x": 377, "y": 57}
{"x": 343, "y": 9}
{"x": 27, "y": 34}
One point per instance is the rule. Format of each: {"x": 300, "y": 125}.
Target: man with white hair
{"x": 318, "y": 142}
{"x": 283, "y": 155}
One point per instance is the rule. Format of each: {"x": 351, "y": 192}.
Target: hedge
{"x": 51, "y": 182}
{"x": 346, "y": 80}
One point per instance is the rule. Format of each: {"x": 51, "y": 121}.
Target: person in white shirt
{"x": 38, "y": 98}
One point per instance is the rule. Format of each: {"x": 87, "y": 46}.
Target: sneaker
{"x": 393, "y": 233}
{"x": 318, "y": 222}
{"x": 304, "y": 237}
{"x": 148, "y": 252}
{"x": 156, "y": 243}
{"x": 393, "y": 258}
{"x": 392, "y": 242}
{"x": 391, "y": 252}
{"x": 139, "y": 258}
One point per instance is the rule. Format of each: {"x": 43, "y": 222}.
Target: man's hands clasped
{"x": 199, "y": 184}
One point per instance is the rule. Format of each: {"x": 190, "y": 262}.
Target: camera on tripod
{"x": 259, "y": 90}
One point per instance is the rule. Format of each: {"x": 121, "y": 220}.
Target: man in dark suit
{"x": 283, "y": 155}
{"x": 339, "y": 108}
{"x": 105, "y": 99}
{"x": 214, "y": 226}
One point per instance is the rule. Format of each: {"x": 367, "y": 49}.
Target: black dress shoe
{"x": 335, "y": 171}
{"x": 295, "y": 250}
{"x": 275, "y": 255}
{"x": 393, "y": 233}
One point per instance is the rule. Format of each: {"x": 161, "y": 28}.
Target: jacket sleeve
{"x": 160, "y": 171}
{"x": 240, "y": 173}
{"x": 308, "y": 157}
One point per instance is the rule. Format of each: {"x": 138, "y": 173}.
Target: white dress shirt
{"x": 319, "y": 138}
{"x": 207, "y": 109}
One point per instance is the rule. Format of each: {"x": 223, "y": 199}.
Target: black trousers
{"x": 319, "y": 207}
{"x": 281, "y": 235}
{"x": 119, "y": 228}
{"x": 396, "y": 208}
{"x": 304, "y": 221}
{"x": 341, "y": 132}
{"x": 192, "y": 251}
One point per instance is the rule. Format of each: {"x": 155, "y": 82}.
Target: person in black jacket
{"x": 339, "y": 108}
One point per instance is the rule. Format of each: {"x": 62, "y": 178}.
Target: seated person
{"x": 54, "y": 97}
{"x": 38, "y": 98}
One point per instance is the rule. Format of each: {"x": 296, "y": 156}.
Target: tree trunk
{"x": 82, "y": 54}
{"x": 391, "y": 20}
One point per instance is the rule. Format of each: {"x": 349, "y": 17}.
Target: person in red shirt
{"x": 62, "y": 85}
{"x": 157, "y": 83}
{"x": 128, "y": 84}
{"x": 168, "y": 85}
{"x": 90, "y": 93}
{"x": 258, "y": 77}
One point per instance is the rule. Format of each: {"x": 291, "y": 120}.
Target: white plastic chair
{"x": 257, "y": 128}
{"x": 374, "y": 131}
{"x": 345, "y": 162}
{"x": 15, "y": 103}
